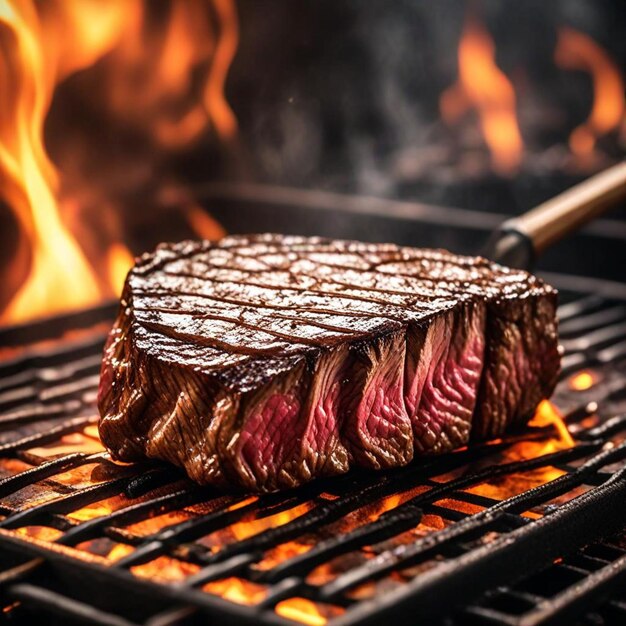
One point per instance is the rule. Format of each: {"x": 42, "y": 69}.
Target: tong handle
{"x": 521, "y": 239}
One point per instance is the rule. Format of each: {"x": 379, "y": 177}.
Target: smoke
{"x": 345, "y": 96}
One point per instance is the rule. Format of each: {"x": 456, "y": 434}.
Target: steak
{"x": 266, "y": 361}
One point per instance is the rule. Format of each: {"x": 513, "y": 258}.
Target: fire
{"x": 484, "y": 87}
{"x": 547, "y": 414}
{"x": 218, "y": 108}
{"x": 582, "y": 381}
{"x": 58, "y": 265}
{"x": 53, "y": 269}
{"x": 203, "y": 224}
{"x": 119, "y": 261}
{"x": 166, "y": 569}
{"x": 577, "y": 51}
{"x": 236, "y": 590}
{"x": 301, "y": 610}
{"x": 243, "y": 530}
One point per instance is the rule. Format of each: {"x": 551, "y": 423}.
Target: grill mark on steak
{"x": 480, "y": 264}
{"x": 514, "y": 276}
{"x": 328, "y": 294}
{"x": 288, "y": 345}
{"x": 443, "y": 288}
{"x": 266, "y": 361}
{"x": 428, "y": 256}
{"x": 238, "y": 320}
{"x": 276, "y": 307}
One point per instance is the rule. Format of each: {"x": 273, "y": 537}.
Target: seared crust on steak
{"x": 265, "y": 361}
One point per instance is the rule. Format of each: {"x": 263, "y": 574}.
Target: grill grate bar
{"x": 506, "y": 559}
{"x": 594, "y": 321}
{"x": 133, "y": 514}
{"x": 62, "y": 606}
{"x": 581, "y": 307}
{"x": 54, "y": 327}
{"x": 338, "y": 508}
{"x": 569, "y": 604}
{"x": 595, "y": 340}
{"x": 42, "y": 514}
{"x": 58, "y": 373}
{"x": 48, "y": 436}
{"x": 14, "y": 483}
{"x": 68, "y": 389}
{"x": 407, "y": 511}
{"x": 389, "y": 524}
{"x": 37, "y": 413}
{"x": 63, "y": 354}
{"x": 163, "y": 541}
{"x": 170, "y": 537}
{"x": 480, "y": 522}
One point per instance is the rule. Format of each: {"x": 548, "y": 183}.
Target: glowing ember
{"x": 43, "y": 533}
{"x": 548, "y": 415}
{"x": 237, "y": 590}
{"x": 68, "y": 444}
{"x": 582, "y": 381}
{"x": 301, "y": 610}
{"x": 119, "y": 552}
{"x": 484, "y": 87}
{"x": 92, "y": 511}
{"x": 243, "y": 530}
{"x": 577, "y": 51}
{"x": 166, "y": 569}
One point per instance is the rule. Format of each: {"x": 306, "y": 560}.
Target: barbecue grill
{"x": 128, "y": 123}
{"x": 523, "y": 530}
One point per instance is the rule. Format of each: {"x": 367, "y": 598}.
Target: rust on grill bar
{"x": 471, "y": 535}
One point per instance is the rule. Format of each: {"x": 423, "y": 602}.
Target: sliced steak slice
{"x": 448, "y": 371}
{"x": 266, "y": 361}
{"x": 376, "y": 426}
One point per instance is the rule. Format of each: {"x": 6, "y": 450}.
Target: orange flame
{"x": 577, "y": 51}
{"x": 119, "y": 261}
{"x": 547, "y": 414}
{"x": 484, "y": 87}
{"x": 214, "y": 100}
{"x": 582, "y": 381}
{"x": 236, "y": 590}
{"x": 202, "y": 223}
{"x": 301, "y": 610}
{"x": 57, "y": 262}
{"x": 42, "y": 44}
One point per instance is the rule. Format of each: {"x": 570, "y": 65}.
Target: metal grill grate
{"x": 511, "y": 532}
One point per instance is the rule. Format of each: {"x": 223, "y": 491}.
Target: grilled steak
{"x": 266, "y": 361}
